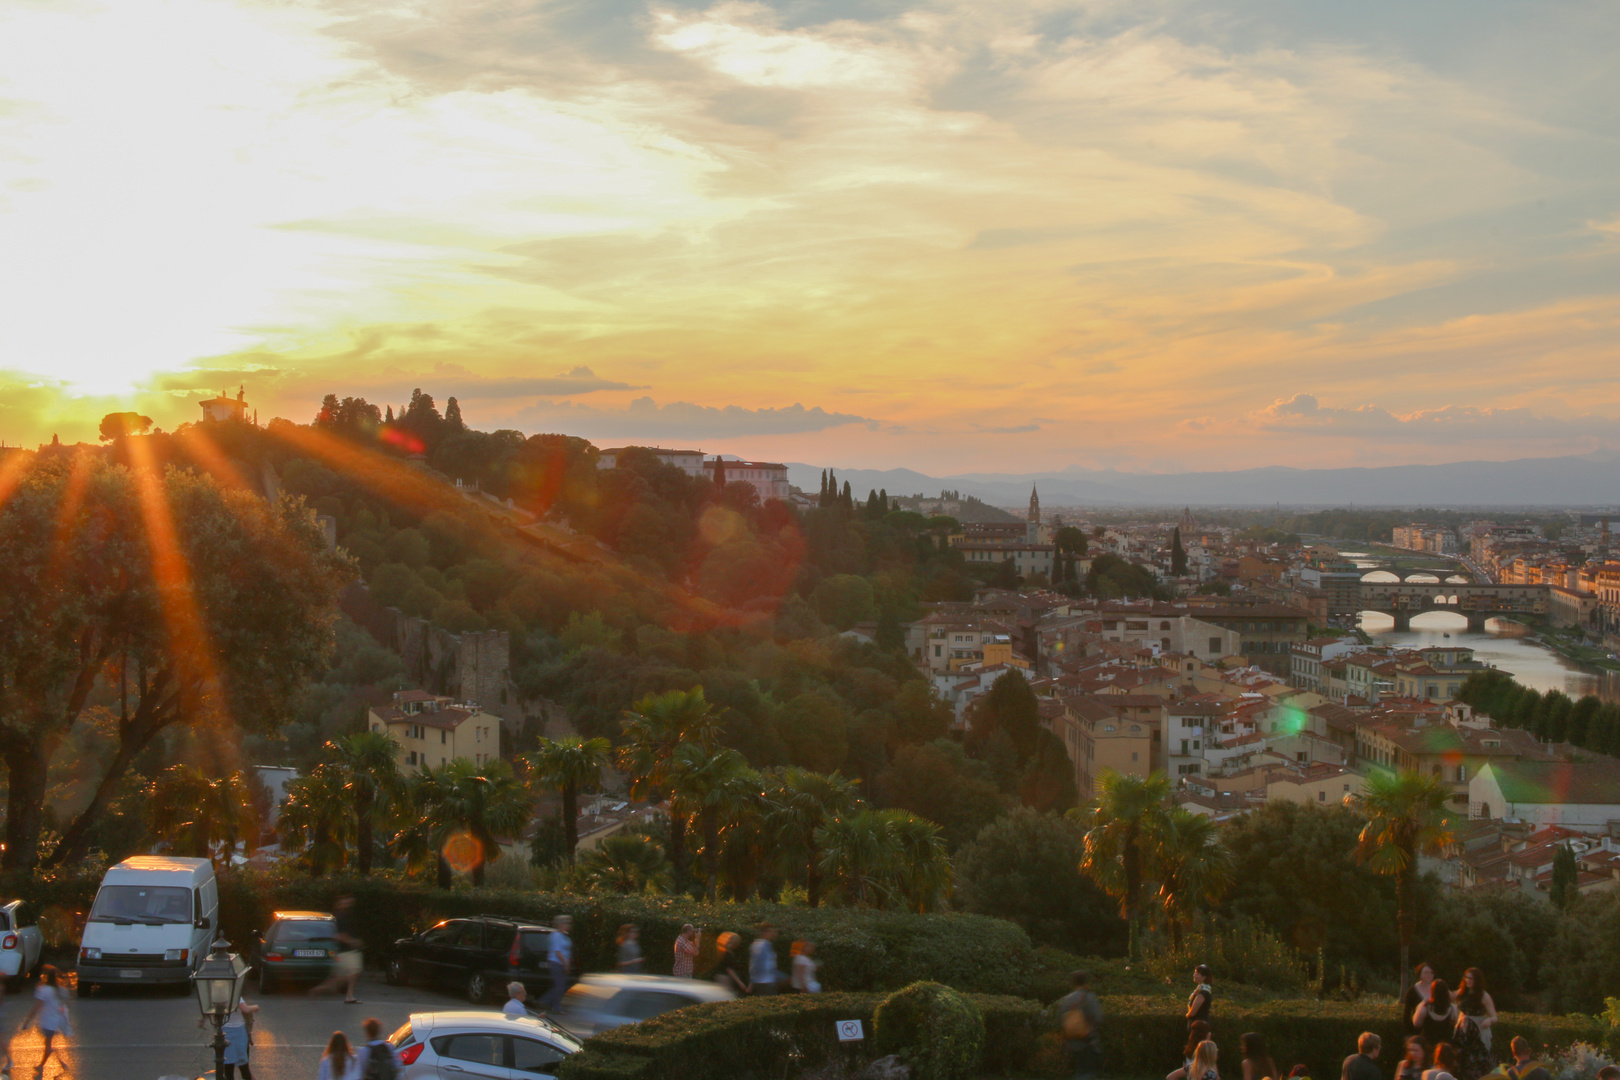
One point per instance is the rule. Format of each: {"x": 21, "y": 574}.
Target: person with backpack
{"x": 1080, "y": 1013}
{"x": 1525, "y": 1066}
{"x": 376, "y": 1059}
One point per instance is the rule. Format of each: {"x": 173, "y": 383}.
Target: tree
{"x": 654, "y": 729}
{"x": 802, "y": 803}
{"x": 120, "y": 425}
{"x": 1070, "y": 541}
{"x": 1178, "y": 554}
{"x": 938, "y": 781}
{"x": 565, "y": 766}
{"x": 1124, "y": 825}
{"x": 193, "y": 814}
{"x": 1194, "y": 869}
{"x": 457, "y": 813}
{"x": 453, "y": 424}
{"x": 317, "y": 819}
{"x": 368, "y": 762}
{"x": 706, "y": 780}
{"x": 1048, "y": 779}
{"x": 183, "y": 602}
{"x": 886, "y": 858}
{"x": 1562, "y": 891}
{"x": 1025, "y": 867}
{"x": 815, "y": 728}
{"x": 626, "y": 863}
{"x": 1010, "y": 707}
{"x": 920, "y": 716}
{"x": 1407, "y": 817}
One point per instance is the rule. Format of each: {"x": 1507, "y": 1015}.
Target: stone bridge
{"x": 1478, "y": 602}
{"x": 1407, "y": 573}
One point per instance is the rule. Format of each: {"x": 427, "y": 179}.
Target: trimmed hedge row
{"x": 778, "y": 1036}
{"x": 858, "y": 950}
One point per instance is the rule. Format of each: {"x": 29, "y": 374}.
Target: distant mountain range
{"x": 1589, "y": 481}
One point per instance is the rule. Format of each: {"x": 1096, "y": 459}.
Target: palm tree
{"x": 369, "y": 764}
{"x": 707, "y": 781}
{"x": 922, "y": 870}
{"x": 1123, "y": 825}
{"x": 193, "y": 813}
{"x": 461, "y": 802}
{"x": 317, "y": 819}
{"x": 747, "y": 856}
{"x": 626, "y": 863}
{"x": 859, "y": 853}
{"x": 565, "y": 766}
{"x": 1194, "y": 868}
{"x": 803, "y": 802}
{"x": 654, "y": 729}
{"x": 1406, "y": 817}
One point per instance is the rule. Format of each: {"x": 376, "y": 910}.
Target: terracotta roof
{"x": 447, "y": 719}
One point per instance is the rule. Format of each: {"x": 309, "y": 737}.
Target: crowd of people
{"x": 1448, "y": 1037}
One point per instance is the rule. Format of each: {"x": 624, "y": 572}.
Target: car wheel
{"x": 395, "y": 972}
{"x": 477, "y": 988}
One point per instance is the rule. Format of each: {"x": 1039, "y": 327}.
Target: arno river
{"x": 1502, "y": 645}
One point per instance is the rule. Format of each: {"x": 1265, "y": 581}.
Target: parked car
{"x": 598, "y": 1002}
{"x": 480, "y": 1044}
{"x": 20, "y": 941}
{"x": 296, "y": 945}
{"x": 479, "y": 956}
{"x": 153, "y": 921}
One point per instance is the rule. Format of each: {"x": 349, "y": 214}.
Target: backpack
{"x": 380, "y": 1063}
{"x": 1076, "y": 1024}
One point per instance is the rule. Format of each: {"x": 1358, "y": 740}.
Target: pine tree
{"x": 452, "y": 418}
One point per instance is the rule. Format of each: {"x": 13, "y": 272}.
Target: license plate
{"x": 309, "y": 952}
{"x": 130, "y": 973}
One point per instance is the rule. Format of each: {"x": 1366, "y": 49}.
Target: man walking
{"x": 559, "y": 961}
{"x": 1199, "y": 1000}
{"x": 1363, "y": 1064}
{"x": 377, "y": 1059}
{"x": 686, "y": 951}
{"x": 762, "y": 971}
{"x": 1081, "y": 1015}
{"x": 346, "y": 968}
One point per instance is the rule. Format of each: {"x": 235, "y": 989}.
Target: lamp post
{"x": 218, "y": 981}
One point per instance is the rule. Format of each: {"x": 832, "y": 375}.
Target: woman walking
{"x": 338, "y": 1063}
{"x": 1436, "y": 1019}
{"x": 629, "y": 949}
{"x": 1257, "y": 1064}
{"x": 1475, "y": 1015}
{"x": 803, "y": 979}
{"x": 731, "y": 970}
{"x": 50, "y": 1013}
{"x": 238, "y": 1040}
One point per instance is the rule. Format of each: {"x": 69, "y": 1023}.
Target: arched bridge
{"x": 1407, "y": 573}
{"x": 1478, "y": 602}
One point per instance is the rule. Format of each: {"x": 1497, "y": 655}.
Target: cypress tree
{"x": 883, "y": 500}
{"x": 1178, "y": 554}
{"x": 847, "y": 500}
{"x": 821, "y": 500}
{"x": 1564, "y": 872}
{"x": 390, "y": 418}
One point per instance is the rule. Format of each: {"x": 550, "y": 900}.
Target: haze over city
{"x": 949, "y": 237}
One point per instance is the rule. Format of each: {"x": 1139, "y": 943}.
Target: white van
{"x": 153, "y": 921}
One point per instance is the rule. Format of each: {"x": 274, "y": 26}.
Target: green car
{"x": 296, "y": 945}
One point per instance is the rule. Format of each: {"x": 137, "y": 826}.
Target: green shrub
{"x": 1239, "y": 952}
{"x": 933, "y": 1029}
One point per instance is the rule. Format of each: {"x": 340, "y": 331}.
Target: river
{"x": 1503, "y": 645}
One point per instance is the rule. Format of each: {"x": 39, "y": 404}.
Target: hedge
{"x": 857, "y": 949}
{"x": 936, "y": 1031}
{"x": 771, "y": 1037}
{"x": 775, "y": 1037}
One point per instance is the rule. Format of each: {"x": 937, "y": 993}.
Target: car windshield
{"x": 153, "y": 905}
{"x": 303, "y": 930}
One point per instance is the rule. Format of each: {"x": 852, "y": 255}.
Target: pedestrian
{"x": 1363, "y": 1064}
{"x": 559, "y": 962}
{"x": 338, "y": 1062}
{"x": 1416, "y": 995}
{"x": 376, "y": 1060}
{"x": 350, "y": 959}
{"x": 1436, "y": 1018}
{"x": 803, "y": 978}
{"x": 1416, "y": 1059}
{"x": 1203, "y": 1062}
{"x": 517, "y": 1001}
{"x": 629, "y": 949}
{"x": 1257, "y": 1064}
{"x": 1525, "y": 1066}
{"x": 762, "y": 970}
{"x": 686, "y": 951}
{"x": 1197, "y": 1032}
{"x": 49, "y": 1013}
{"x": 1202, "y": 993}
{"x": 730, "y": 975}
{"x": 1081, "y": 1015}
{"x": 1476, "y": 1004}
{"x": 1445, "y": 1063}
{"x": 238, "y": 1032}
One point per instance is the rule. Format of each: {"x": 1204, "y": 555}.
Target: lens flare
{"x": 463, "y": 852}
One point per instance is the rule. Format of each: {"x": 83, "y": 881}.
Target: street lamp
{"x": 218, "y": 981}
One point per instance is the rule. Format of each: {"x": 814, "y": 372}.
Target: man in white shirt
{"x": 516, "y": 1006}
{"x": 559, "y": 961}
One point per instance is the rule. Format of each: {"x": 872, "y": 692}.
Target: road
{"x": 147, "y": 1033}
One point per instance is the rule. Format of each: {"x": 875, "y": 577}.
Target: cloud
{"x": 644, "y": 418}
{"x": 1304, "y": 414}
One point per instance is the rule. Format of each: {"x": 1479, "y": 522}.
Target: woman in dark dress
{"x": 1476, "y": 1013}
{"x": 1416, "y": 995}
{"x": 1436, "y": 1019}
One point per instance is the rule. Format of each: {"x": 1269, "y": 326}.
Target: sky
{"x": 952, "y": 236}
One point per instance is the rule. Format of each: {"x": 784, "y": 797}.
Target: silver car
{"x": 469, "y": 1043}
{"x": 599, "y": 1002}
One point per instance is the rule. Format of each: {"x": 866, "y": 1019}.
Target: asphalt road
{"x": 145, "y": 1033}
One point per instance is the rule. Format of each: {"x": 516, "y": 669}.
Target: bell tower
{"x": 1032, "y": 531}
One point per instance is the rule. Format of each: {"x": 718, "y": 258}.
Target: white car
{"x": 599, "y": 1002}
{"x": 479, "y": 1044}
{"x": 20, "y": 941}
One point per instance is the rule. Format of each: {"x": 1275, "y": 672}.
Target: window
{"x": 937, "y": 650}
{"x": 410, "y": 759}
{"x": 478, "y": 1049}
{"x": 1321, "y": 796}
{"x": 1462, "y": 773}
{"x": 534, "y": 1056}
{"x": 444, "y": 737}
{"x": 443, "y": 934}
{"x": 1133, "y": 755}
{"x": 1164, "y": 626}
{"x": 1183, "y": 746}
{"x": 1214, "y": 646}
{"x": 644, "y": 1004}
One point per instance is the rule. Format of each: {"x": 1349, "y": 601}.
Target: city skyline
{"x": 929, "y": 236}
